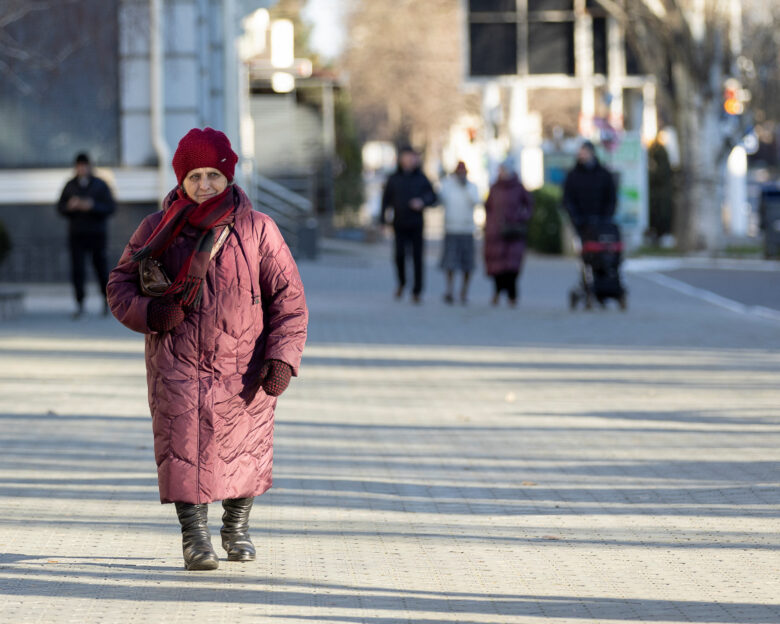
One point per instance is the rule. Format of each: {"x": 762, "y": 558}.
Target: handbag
{"x": 152, "y": 278}
{"x": 514, "y": 231}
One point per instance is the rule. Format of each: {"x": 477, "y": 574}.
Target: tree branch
{"x": 14, "y": 11}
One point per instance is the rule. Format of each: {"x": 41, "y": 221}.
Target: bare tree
{"x": 691, "y": 46}
{"x": 404, "y": 69}
{"x": 47, "y": 54}
{"x": 760, "y": 64}
{"x": 58, "y": 80}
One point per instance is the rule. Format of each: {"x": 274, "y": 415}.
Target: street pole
{"x": 231, "y": 72}
{"x": 328, "y": 143}
{"x": 737, "y": 165}
{"x": 583, "y": 66}
{"x": 157, "y": 97}
{"x": 616, "y": 71}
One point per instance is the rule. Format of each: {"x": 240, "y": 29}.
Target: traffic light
{"x": 733, "y": 97}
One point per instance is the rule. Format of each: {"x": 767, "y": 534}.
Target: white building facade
{"x": 143, "y": 72}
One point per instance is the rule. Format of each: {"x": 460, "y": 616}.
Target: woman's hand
{"x": 163, "y": 314}
{"x": 275, "y": 377}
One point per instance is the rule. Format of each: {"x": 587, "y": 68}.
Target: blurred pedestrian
{"x": 459, "y": 196}
{"x": 590, "y": 198}
{"x": 508, "y": 210}
{"x": 660, "y": 196}
{"x": 87, "y": 202}
{"x": 408, "y": 191}
{"x": 589, "y": 193}
{"x": 223, "y": 339}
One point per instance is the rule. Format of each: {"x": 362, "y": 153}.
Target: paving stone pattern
{"x": 434, "y": 464}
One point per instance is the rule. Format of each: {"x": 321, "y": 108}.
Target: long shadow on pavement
{"x": 267, "y": 591}
{"x": 553, "y": 607}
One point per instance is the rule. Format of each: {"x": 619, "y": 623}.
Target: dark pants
{"x": 508, "y": 282}
{"x": 82, "y": 245}
{"x": 406, "y": 238}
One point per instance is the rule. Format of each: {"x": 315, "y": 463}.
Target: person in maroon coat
{"x": 508, "y": 210}
{"x": 222, "y": 343}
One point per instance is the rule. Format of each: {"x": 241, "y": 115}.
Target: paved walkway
{"x": 434, "y": 464}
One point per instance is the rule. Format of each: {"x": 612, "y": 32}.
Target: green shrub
{"x": 546, "y": 227}
{"x": 5, "y": 243}
{"x": 348, "y": 180}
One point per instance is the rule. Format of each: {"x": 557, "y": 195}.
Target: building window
{"x": 551, "y": 48}
{"x": 599, "y": 45}
{"x": 490, "y": 6}
{"x": 550, "y": 5}
{"x": 493, "y": 49}
{"x": 633, "y": 64}
{"x": 60, "y": 95}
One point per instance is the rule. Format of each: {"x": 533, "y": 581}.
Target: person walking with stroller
{"x": 223, "y": 339}
{"x": 508, "y": 210}
{"x": 590, "y": 198}
{"x": 408, "y": 191}
{"x": 589, "y": 193}
{"x": 459, "y": 196}
{"x": 87, "y": 203}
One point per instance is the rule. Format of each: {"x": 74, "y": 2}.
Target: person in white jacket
{"x": 459, "y": 197}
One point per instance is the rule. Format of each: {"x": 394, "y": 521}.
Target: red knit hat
{"x": 204, "y": 148}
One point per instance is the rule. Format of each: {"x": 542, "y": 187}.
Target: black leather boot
{"x": 235, "y": 529}
{"x": 195, "y": 538}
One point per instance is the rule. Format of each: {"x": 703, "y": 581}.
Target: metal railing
{"x": 293, "y": 214}
{"x": 47, "y": 259}
{"x": 42, "y": 257}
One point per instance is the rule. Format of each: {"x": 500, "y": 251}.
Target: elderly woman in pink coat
{"x": 508, "y": 210}
{"x": 222, "y": 342}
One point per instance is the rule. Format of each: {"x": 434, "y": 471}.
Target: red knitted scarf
{"x": 214, "y": 212}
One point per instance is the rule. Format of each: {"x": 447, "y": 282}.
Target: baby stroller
{"x": 602, "y": 252}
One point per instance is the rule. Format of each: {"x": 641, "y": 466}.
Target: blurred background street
{"x": 433, "y": 464}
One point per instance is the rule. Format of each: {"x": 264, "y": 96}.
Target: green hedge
{"x": 546, "y": 226}
{"x": 5, "y": 243}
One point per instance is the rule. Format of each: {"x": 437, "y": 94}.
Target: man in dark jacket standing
{"x": 408, "y": 192}
{"x": 86, "y": 202}
{"x": 589, "y": 194}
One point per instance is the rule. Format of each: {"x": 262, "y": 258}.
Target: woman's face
{"x": 204, "y": 183}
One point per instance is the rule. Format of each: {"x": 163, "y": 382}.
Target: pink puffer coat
{"x": 508, "y": 203}
{"x": 213, "y": 425}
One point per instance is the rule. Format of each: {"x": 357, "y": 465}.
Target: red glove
{"x": 163, "y": 314}
{"x": 275, "y": 377}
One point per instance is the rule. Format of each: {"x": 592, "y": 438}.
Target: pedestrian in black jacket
{"x": 86, "y": 202}
{"x": 408, "y": 192}
{"x": 589, "y": 194}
